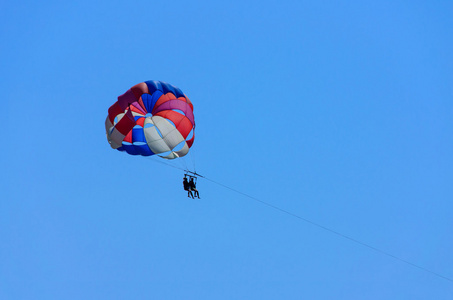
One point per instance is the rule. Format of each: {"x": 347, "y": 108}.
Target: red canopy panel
{"x": 164, "y": 98}
{"x": 126, "y": 123}
{"x": 128, "y": 137}
{"x": 126, "y": 99}
{"x": 140, "y": 122}
{"x": 181, "y": 122}
{"x": 190, "y": 142}
{"x": 114, "y": 110}
{"x": 139, "y": 89}
{"x": 135, "y": 107}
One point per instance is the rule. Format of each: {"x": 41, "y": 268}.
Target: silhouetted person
{"x": 193, "y": 187}
{"x": 187, "y": 188}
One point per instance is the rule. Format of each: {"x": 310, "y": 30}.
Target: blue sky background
{"x": 338, "y": 112}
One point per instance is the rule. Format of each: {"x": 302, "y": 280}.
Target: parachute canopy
{"x": 152, "y": 117}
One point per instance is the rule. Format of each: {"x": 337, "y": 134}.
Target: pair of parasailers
{"x": 190, "y": 186}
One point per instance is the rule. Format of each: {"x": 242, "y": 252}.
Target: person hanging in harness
{"x": 187, "y": 188}
{"x": 193, "y": 187}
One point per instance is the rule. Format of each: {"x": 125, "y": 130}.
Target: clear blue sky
{"x": 337, "y": 111}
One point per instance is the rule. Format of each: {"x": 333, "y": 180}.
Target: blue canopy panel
{"x": 143, "y": 149}
{"x": 150, "y": 100}
{"x": 139, "y": 145}
{"x": 129, "y": 148}
{"x": 134, "y": 149}
{"x": 154, "y": 85}
{"x": 138, "y": 135}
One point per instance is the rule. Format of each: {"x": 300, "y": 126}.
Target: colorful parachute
{"x": 152, "y": 117}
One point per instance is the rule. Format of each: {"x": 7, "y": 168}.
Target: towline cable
{"x": 388, "y": 254}
{"x": 334, "y": 232}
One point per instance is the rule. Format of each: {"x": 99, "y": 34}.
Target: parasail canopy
{"x": 152, "y": 117}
